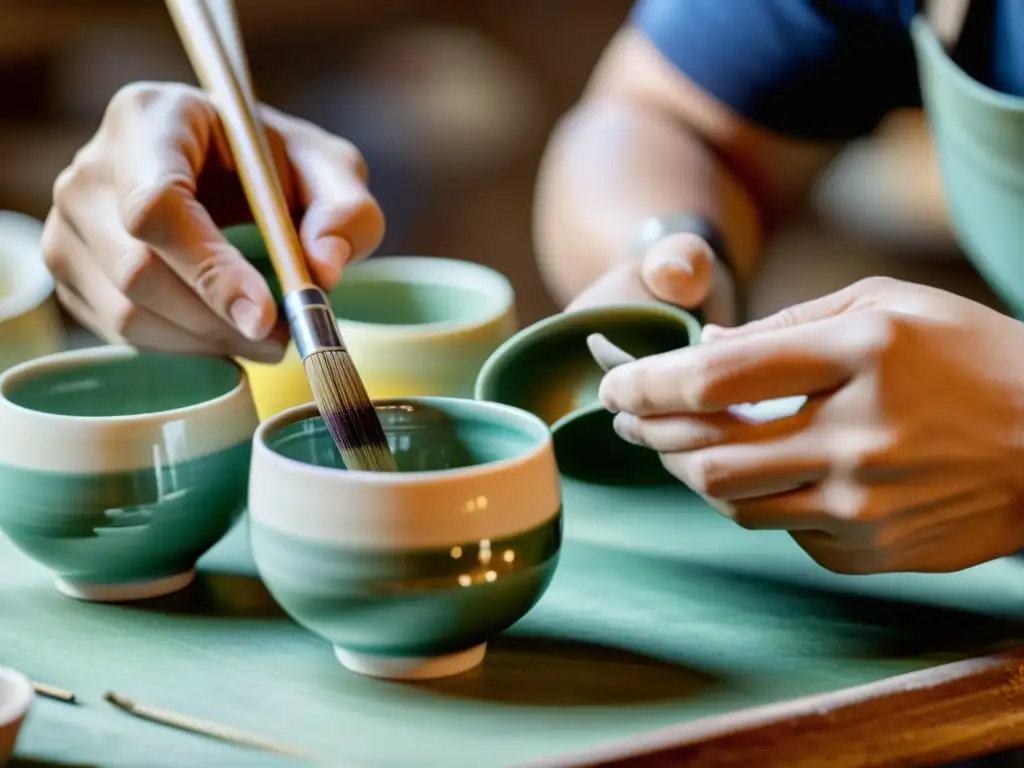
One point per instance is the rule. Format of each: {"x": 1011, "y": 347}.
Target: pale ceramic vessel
{"x": 16, "y": 697}
{"x": 29, "y": 319}
{"x": 408, "y": 574}
{"x": 119, "y": 469}
{"x": 416, "y": 326}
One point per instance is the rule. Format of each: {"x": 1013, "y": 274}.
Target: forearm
{"x": 610, "y": 165}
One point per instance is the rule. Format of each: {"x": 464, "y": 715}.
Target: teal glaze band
{"x": 311, "y": 566}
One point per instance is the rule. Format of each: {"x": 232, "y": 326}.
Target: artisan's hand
{"x": 907, "y": 457}
{"x": 133, "y": 238}
{"x": 678, "y": 269}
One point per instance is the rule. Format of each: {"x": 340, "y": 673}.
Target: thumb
{"x": 822, "y": 308}
{"x": 678, "y": 270}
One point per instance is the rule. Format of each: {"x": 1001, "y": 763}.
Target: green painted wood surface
{"x": 661, "y": 612}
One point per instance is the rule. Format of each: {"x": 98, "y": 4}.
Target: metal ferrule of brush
{"x": 312, "y": 322}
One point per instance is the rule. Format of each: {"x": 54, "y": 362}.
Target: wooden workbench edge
{"x": 938, "y": 715}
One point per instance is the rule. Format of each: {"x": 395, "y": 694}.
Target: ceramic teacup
{"x": 119, "y": 469}
{"x": 415, "y": 326}
{"x": 548, "y": 370}
{"x": 29, "y": 320}
{"x": 408, "y": 574}
{"x": 16, "y": 697}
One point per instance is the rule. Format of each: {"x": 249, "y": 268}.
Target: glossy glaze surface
{"x": 548, "y": 370}
{"x": 414, "y": 325}
{"x": 432, "y": 560}
{"x": 977, "y": 133}
{"x": 122, "y": 468}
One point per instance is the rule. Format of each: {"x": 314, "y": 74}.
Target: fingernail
{"x": 247, "y": 317}
{"x": 710, "y": 332}
{"x": 625, "y": 428}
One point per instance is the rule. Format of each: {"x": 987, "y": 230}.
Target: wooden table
{"x": 669, "y": 637}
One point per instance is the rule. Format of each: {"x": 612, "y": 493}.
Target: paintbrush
{"x": 337, "y": 388}
{"x": 609, "y": 356}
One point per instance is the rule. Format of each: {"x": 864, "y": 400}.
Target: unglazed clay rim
{"x": 503, "y": 294}
{"x": 14, "y": 709}
{"x": 24, "y": 233}
{"x": 529, "y": 335}
{"x": 74, "y": 358}
{"x": 302, "y": 412}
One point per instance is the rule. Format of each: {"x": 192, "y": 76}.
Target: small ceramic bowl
{"x": 408, "y": 574}
{"x": 29, "y": 319}
{"x": 118, "y": 469}
{"x": 16, "y": 697}
{"x": 416, "y": 326}
{"x": 548, "y": 370}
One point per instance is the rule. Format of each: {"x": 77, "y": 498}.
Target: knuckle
{"x": 130, "y": 270}
{"x": 144, "y": 210}
{"x": 875, "y": 333}
{"x": 210, "y": 276}
{"x": 143, "y": 94}
{"x": 704, "y": 473}
{"x": 50, "y": 242}
{"x": 875, "y": 284}
{"x": 122, "y": 318}
{"x": 698, "y": 386}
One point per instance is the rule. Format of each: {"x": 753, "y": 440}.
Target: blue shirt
{"x": 823, "y": 69}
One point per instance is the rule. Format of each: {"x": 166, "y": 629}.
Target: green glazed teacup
{"x": 416, "y": 326}
{"x": 548, "y": 370}
{"x": 119, "y": 469}
{"x": 408, "y": 574}
{"x": 979, "y": 140}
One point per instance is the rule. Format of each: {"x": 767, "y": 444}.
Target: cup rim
{"x": 15, "y": 708}
{"x": 921, "y": 30}
{"x": 500, "y": 287}
{"x": 299, "y": 413}
{"x": 24, "y": 232}
{"x": 542, "y": 327}
{"x": 99, "y": 354}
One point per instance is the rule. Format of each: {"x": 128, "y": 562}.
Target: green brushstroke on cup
{"x": 134, "y": 525}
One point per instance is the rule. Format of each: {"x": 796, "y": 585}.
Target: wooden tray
{"x": 669, "y": 637}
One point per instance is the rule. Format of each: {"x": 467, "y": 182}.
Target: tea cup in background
{"x": 416, "y": 326}
{"x": 29, "y": 319}
{"x": 408, "y": 574}
{"x": 119, "y": 469}
{"x": 16, "y": 697}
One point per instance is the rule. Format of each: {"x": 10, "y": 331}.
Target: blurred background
{"x": 451, "y": 101}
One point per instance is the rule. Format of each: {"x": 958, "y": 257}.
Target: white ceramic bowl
{"x": 29, "y": 320}
{"x": 408, "y": 574}
{"x": 16, "y": 697}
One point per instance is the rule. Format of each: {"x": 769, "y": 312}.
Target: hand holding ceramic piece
{"x": 16, "y": 697}
{"x": 408, "y": 574}
{"x": 29, "y": 320}
{"x": 119, "y": 469}
{"x": 548, "y": 370}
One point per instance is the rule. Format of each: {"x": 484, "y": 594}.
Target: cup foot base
{"x": 126, "y": 591}
{"x": 411, "y": 667}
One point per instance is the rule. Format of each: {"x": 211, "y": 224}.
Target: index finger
{"x": 801, "y": 360}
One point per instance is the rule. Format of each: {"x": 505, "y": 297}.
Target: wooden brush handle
{"x": 225, "y": 19}
{"x": 236, "y": 107}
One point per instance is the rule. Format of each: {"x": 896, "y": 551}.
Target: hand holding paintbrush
{"x": 337, "y": 388}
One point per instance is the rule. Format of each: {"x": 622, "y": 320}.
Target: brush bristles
{"x": 348, "y": 411}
